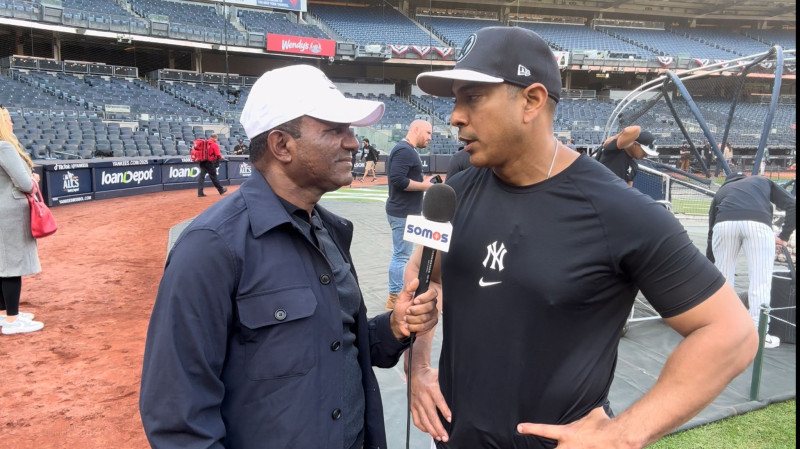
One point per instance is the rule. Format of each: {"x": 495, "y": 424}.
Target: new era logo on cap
{"x": 500, "y": 54}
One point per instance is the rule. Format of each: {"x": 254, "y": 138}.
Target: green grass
{"x": 773, "y": 427}
{"x": 691, "y": 206}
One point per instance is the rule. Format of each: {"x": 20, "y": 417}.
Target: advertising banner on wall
{"x": 562, "y": 58}
{"x": 126, "y": 175}
{"x": 290, "y": 5}
{"x": 187, "y": 172}
{"x": 308, "y": 46}
{"x": 239, "y": 170}
{"x": 68, "y": 183}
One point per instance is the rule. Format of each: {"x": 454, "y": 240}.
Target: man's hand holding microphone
{"x": 414, "y": 314}
{"x": 416, "y": 309}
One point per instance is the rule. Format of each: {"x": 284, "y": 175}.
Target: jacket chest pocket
{"x": 278, "y": 333}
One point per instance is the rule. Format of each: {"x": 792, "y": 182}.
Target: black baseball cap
{"x": 646, "y": 140}
{"x": 499, "y": 55}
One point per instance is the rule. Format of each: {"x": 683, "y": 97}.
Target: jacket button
{"x": 336, "y": 414}
{"x": 336, "y": 345}
{"x": 325, "y": 279}
{"x": 280, "y": 314}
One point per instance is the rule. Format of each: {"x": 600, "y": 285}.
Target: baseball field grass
{"x": 773, "y": 427}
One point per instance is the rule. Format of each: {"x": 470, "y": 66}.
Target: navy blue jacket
{"x": 243, "y": 346}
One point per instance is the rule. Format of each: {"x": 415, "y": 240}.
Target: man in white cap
{"x": 548, "y": 249}
{"x": 259, "y": 336}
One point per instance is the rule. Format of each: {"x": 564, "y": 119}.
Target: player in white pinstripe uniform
{"x": 740, "y": 217}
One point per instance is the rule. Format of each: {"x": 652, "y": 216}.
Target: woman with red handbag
{"x": 18, "y": 256}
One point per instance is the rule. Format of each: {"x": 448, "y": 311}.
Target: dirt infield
{"x": 75, "y": 384}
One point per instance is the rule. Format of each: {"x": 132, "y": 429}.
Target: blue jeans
{"x": 401, "y": 252}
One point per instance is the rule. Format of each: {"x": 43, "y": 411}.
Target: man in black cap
{"x": 549, "y": 250}
{"x": 241, "y": 148}
{"x": 621, "y": 151}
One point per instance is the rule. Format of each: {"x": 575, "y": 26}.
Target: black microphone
{"x": 432, "y": 229}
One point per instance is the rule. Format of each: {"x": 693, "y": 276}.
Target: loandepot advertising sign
{"x": 113, "y": 178}
{"x": 175, "y": 173}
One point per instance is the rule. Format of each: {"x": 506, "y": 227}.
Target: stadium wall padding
{"x": 67, "y": 182}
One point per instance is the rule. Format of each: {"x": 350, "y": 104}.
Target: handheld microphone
{"x": 432, "y": 229}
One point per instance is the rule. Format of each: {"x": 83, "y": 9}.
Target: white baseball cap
{"x": 287, "y": 93}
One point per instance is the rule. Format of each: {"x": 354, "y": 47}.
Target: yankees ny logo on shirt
{"x": 496, "y": 255}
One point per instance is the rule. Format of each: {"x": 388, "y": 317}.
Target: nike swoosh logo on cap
{"x": 483, "y": 283}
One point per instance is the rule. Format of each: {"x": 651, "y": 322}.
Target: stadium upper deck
{"x": 380, "y": 24}
{"x": 374, "y": 46}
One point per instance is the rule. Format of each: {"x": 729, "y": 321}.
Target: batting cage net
{"x": 747, "y": 105}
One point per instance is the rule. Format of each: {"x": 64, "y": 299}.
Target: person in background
{"x": 571, "y": 145}
{"x": 210, "y": 167}
{"x": 548, "y": 250}
{"x": 620, "y": 152}
{"x": 764, "y": 161}
{"x": 18, "y": 254}
{"x": 259, "y": 337}
{"x": 353, "y": 172}
{"x": 406, "y": 187}
{"x": 708, "y": 155}
{"x": 686, "y": 157}
{"x": 727, "y": 155}
{"x": 241, "y": 148}
{"x": 372, "y": 159}
{"x": 740, "y": 218}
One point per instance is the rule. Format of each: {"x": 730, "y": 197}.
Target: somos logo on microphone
{"x": 428, "y": 233}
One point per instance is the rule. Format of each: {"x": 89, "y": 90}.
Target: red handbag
{"x": 42, "y": 221}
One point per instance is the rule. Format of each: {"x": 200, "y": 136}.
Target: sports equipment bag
{"x": 199, "y": 151}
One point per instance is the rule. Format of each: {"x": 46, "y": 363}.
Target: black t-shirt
{"x": 370, "y": 153}
{"x": 403, "y": 164}
{"x": 618, "y": 161}
{"x": 539, "y": 282}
